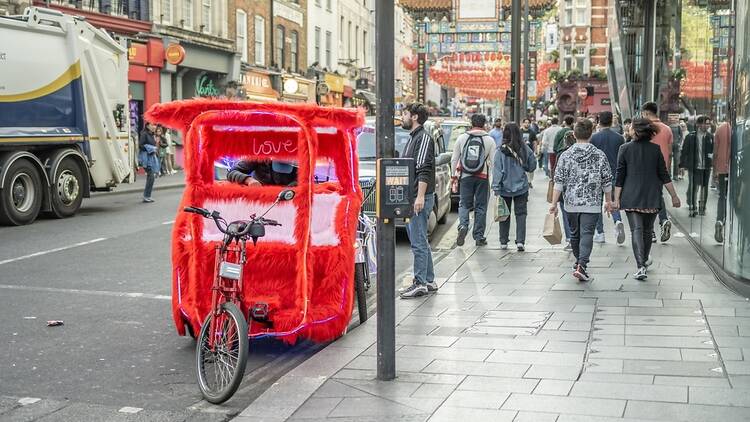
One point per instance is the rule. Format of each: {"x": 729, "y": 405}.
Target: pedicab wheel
{"x": 360, "y": 274}
{"x": 220, "y": 371}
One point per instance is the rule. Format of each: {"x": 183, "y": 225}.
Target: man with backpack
{"x": 472, "y": 160}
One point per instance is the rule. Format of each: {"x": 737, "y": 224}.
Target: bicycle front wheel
{"x": 221, "y": 366}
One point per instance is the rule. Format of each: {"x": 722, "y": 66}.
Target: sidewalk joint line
{"x": 713, "y": 343}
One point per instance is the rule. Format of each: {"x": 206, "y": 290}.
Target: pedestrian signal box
{"x": 395, "y": 188}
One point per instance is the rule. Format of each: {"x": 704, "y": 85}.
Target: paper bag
{"x": 550, "y": 191}
{"x": 552, "y": 232}
{"x": 502, "y": 213}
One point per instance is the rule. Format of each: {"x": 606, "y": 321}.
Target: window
{"x": 278, "y": 45}
{"x": 328, "y": 50}
{"x": 349, "y": 41}
{"x": 187, "y": 14}
{"x": 341, "y": 38}
{"x": 567, "y": 58}
{"x": 166, "y": 11}
{"x": 568, "y": 7}
{"x": 580, "y": 17}
{"x": 328, "y": 6}
{"x": 580, "y": 53}
{"x": 356, "y": 43}
{"x": 294, "y": 51}
{"x": 317, "y": 44}
{"x": 242, "y": 34}
{"x": 206, "y": 15}
{"x": 260, "y": 40}
{"x": 364, "y": 48}
{"x": 317, "y": 3}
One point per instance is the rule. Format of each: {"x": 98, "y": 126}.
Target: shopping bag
{"x": 550, "y": 191}
{"x": 552, "y": 232}
{"x": 502, "y": 212}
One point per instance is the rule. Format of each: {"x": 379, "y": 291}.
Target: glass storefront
{"x": 712, "y": 166}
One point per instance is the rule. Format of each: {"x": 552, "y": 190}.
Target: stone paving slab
{"x": 513, "y": 337}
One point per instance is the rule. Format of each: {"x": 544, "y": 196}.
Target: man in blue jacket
{"x": 609, "y": 142}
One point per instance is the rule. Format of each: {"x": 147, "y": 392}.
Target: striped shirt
{"x": 422, "y": 149}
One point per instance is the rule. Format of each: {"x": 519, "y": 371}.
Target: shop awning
{"x": 367, "y": 96}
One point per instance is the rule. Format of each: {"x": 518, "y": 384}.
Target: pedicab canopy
{"x": 302, "y": 270}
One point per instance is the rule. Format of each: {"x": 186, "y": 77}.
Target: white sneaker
{"x": 640, "y": 274}
{"x": 568, "y": 247}
{"x": 666, "y": 231}
{"x": 620, "y": 232}
{"x": 503, "y": 246}
{"x": 599, "y": 237}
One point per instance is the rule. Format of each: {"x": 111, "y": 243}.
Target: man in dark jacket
{"x": 422, "y": 149}
{"x": 697, "y": 153}
{"x": 609, "y": 142}
{"x": 263, "y": 173}
{"x": 148, "y": 159}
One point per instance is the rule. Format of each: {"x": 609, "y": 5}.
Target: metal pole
{"x": 526, "y": 67}
{"x": 649, "y": 51}
{"x": 515, "y": 60}
{"x": 678, "y": 36}
{"x": 386, "y": 231}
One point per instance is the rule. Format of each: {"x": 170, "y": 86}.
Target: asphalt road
{"x": 106, "y": 274}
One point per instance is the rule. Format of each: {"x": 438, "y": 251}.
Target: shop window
{"x": 242, "y": 34}
{"x": 187, "y": 14}
{"x": 166, "y": 12}
{"x": 260, "y": 41}
{"x": 294, "y": 51}
{"x": 278, "y": 45}
{"x": 206, "y": 16}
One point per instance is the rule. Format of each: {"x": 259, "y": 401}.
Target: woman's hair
{"x": 513, "y": 139}
{"x": 644, "y": 129}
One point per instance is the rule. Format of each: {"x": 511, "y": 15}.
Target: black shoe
{"x": 461, "y": 239}
{"x": 581, "y": 274}
{"x": 719, "y": 232}
{"x": 666, "y": 230}
{"x": 414, "y": 291}
{"x": 482, "y": 242}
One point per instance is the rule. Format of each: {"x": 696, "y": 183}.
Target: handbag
{"x": 550, "y": 191}
{"x": 552, "y": 232}
{"x": 502, "y": 212}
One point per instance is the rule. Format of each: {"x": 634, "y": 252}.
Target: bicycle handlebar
{"x": 216, "y": 216}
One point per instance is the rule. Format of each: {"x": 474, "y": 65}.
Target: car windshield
{"x": 366, "y": 142}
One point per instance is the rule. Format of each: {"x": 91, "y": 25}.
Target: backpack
{"x": 473, "y": 155}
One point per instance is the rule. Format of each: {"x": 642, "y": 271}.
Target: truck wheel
{"x": 21, "y": 198}
{"x": 67, "y": 189}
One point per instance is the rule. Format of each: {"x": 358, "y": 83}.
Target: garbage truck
{"x": 64, "y": 129}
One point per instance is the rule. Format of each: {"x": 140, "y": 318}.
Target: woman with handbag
{"x": 513, "y": 160}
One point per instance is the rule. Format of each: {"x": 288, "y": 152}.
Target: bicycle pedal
{"x": 259, "y": 312}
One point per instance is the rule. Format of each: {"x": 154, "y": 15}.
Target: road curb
{"x": 168, "y": 186}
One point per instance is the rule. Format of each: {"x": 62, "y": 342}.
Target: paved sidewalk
{"x": 513, "y": 337}
{"x": 172, "y": 181}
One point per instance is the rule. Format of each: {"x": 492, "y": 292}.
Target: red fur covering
{"x": 308, "y": 288}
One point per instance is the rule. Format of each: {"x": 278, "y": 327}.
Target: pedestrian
{"x": 148, "y": 158}
{"x": 472, "y": 161}
{"x": 722, "y": 141}
{"x": 513, "y": 161}
{"x": 626, "y": 129}
{"x": 663, "y": 138}
{"x": 529, "y": 138}
{"x": 420, "y": 147}
{"x": 497, "y": 132}
{"x": 616, "y": 126}
{"x": 548, "y": 144}
{"x": 161, "y": 142}
{"x": 561, "y": 143}
{"x": 641, "y": 173}
{"x": 697, "y": 150}
{"x": 582, "y": 177}
{"x": 609, "y": 142}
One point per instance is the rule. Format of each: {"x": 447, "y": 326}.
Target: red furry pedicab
{"x": 296, "y": 282}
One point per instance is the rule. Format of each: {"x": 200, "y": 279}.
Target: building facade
{"x": 582, "y": 37}
{"x": 356, "y": 27}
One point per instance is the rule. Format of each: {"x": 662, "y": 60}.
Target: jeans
{"x": 582, "y": 226}
{"x": 641, "y": 230}
{"x": 663, "y": 215}
{"x": 424, "y": 272}
{"x": 474, "y": 193}
{"x": 721, "y": 207}
{"x": 150, "y": 177}
{"x": 520, "y": 210}
{"x": 698, "y": 180}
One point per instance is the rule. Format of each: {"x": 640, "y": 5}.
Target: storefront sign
{"x": 138, "y": 53}
{"x": 258, "y": 87}
{"x": 174, "y": 54}
{"x": 283, "y": 11}
{"x": 421, "y": 79}
{"x": 205, "y": 87}
{"x": 335, "y": 83}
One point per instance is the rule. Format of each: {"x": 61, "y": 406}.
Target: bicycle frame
{"x": 224, "y": 288}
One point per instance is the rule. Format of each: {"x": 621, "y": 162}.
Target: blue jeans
{"x": 474, "y": 194}
{"x": 150, "y": 177}
{"x": 616, "y": 216}
{"x": 424, "y": 272}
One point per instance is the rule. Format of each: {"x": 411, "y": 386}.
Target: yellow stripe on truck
{"x": 73, "y": 73}
{"x": 41, "y": 139}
